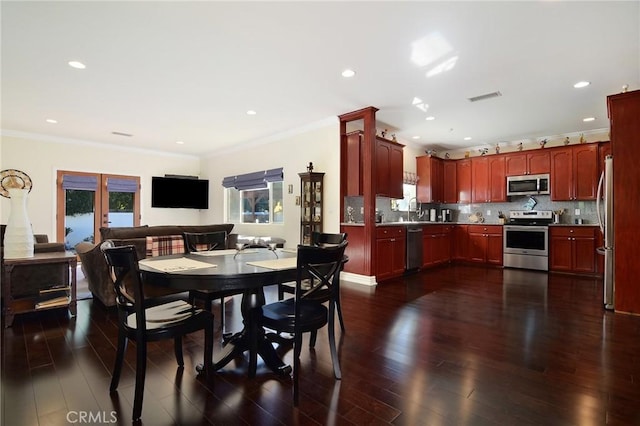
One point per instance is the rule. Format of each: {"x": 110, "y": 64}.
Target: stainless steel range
{"x": 526, "y": 239}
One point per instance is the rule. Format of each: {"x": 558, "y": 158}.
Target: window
{"x": 255, "y": 197}
{"x": 261, "y": 205}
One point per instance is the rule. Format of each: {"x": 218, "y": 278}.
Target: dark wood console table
{"x": 13, "y": 306}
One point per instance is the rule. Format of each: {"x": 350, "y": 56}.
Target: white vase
{"x": 18, "y": 237}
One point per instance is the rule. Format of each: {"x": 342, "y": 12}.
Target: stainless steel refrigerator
{"x": 604, "y": 208}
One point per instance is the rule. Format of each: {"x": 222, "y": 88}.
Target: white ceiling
{"x": 188, "y": 71}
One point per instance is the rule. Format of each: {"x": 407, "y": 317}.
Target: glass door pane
{"x": 79, "y": 217}
{"x": 121, "y": 209}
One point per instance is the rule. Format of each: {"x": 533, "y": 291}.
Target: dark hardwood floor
{"x": 458, "y": 345}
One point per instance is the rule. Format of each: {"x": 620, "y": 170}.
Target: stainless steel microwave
{"x": 528, "y": 185}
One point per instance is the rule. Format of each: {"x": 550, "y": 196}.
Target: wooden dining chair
{"x": 321, "y": 239}
{"x": 142, "y": 323}
{"x": 207, "y": 241}
{"x": 320, "y": 266}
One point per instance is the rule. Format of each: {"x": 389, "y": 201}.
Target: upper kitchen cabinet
{"x": 354, "y": 164}
{"x": 429, "y": 188}
{"x": 574, "y": 173}
{"x": 449, "y": 182}
{"x": 488, "y": 184}
{"x": 463, "y": 180}
{"x": 604, "y": 149}
{"x": 389, "y": 168}
{"x": 528, "y": 163}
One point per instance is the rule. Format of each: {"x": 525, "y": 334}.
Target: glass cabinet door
{"x": 310, "y": 205}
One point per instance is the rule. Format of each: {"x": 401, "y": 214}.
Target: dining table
{"x": 246, "y": 271}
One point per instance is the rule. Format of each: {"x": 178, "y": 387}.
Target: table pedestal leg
{"x": 252, "y": 338}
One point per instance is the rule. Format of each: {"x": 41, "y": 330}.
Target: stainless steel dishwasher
{"x": 414, "y": 247}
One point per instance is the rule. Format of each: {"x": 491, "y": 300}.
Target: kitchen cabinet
{"x": 604, "y": 149}
{"x": 574, "y": 173}
{"x": 624, "y": 110}
{"x": 429, "y": 188}
{"x": 528, "y": 163}
{"x": 389, "y": 168}
{"x": 460, "y": 242}
{"x": 449, "y": 182}
{"x": 488, "y": 184}
{"x": 463, "y": 181}
{"x": 390, "y": 251}
{"x": 572, "y": 249}
{"x": 485, "y": 244}
{"x": 353, "y": 164}
{"x": 311, "y": 199}
{"x": 436, "y": 247}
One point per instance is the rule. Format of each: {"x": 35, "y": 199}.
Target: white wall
{"x": 319, "y": 143}
{"x": 41, "y": 157}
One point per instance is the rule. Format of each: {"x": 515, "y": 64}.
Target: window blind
{"x": 253, "y": 180}
{"x": 82, "y": 183}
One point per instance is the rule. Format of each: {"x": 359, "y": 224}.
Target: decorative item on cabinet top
{"x": 410, "y": 178}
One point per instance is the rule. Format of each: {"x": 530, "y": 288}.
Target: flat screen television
{"x": 178, "y": 192}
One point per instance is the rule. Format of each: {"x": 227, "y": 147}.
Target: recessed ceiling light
{"x": 416, "y": 137}
{"x": 468, "y": 138}
{"x": 180, "y": 142}
{"x": 588, "y": 119}
{"x": 77, "y": 64}
{"x": 429, "y": 118}
{"x": 581, "y": 84}
{"x": 52, "y": 121}
{"x": 251, "y": 112}
{"x": 348, "y": 73}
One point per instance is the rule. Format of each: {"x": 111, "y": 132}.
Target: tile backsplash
{"x": 460, "y": 212}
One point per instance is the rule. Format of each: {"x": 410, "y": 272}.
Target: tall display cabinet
{"x": 311, "y": 200}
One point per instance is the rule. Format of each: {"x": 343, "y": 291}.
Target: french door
{"x": 88, "y": 201}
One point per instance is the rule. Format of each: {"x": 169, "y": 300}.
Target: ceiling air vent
{"x": 485, "y": 96}
{"x": 121, "y": 134}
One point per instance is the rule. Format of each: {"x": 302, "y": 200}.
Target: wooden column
{"x": 367, "y": 242}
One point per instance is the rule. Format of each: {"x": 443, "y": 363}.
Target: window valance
{"x": 253, "y": 180}
{"x": 121, "y": 185}
{"x": 81, "y": 183}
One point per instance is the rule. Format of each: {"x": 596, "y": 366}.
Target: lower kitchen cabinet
{"x": 436, "y": 247}
{"x": 390, "y": 251}
{"x": 485, "y": 244}
{"x": 460, "y": 242}
{"x": 572, "y": 249}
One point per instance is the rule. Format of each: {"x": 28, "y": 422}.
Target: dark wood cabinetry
{"x": 624, "y": 110}
{"x": 572, "y": 249}
{"x": 463, "y": 180}
{"x": 429, "y": 188}
{"x": 353, "y": 164}
{"x": 389, "y": 168}
{"x": 460, "y": 242}
{"x": 436, "y": 247}
{"x": 527, "y": 163}
{"x": 449, "y": 182}
{"x": 485, "y": 244}
{"x": 488, "y": 179}
{"x": 311, "y": 199}
{"x": 390, "y": 251}
{"x": 574, "y": 173}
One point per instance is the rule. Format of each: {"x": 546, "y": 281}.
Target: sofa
{"x": 94, "y": 265}
{"x": 28, "y": 280}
